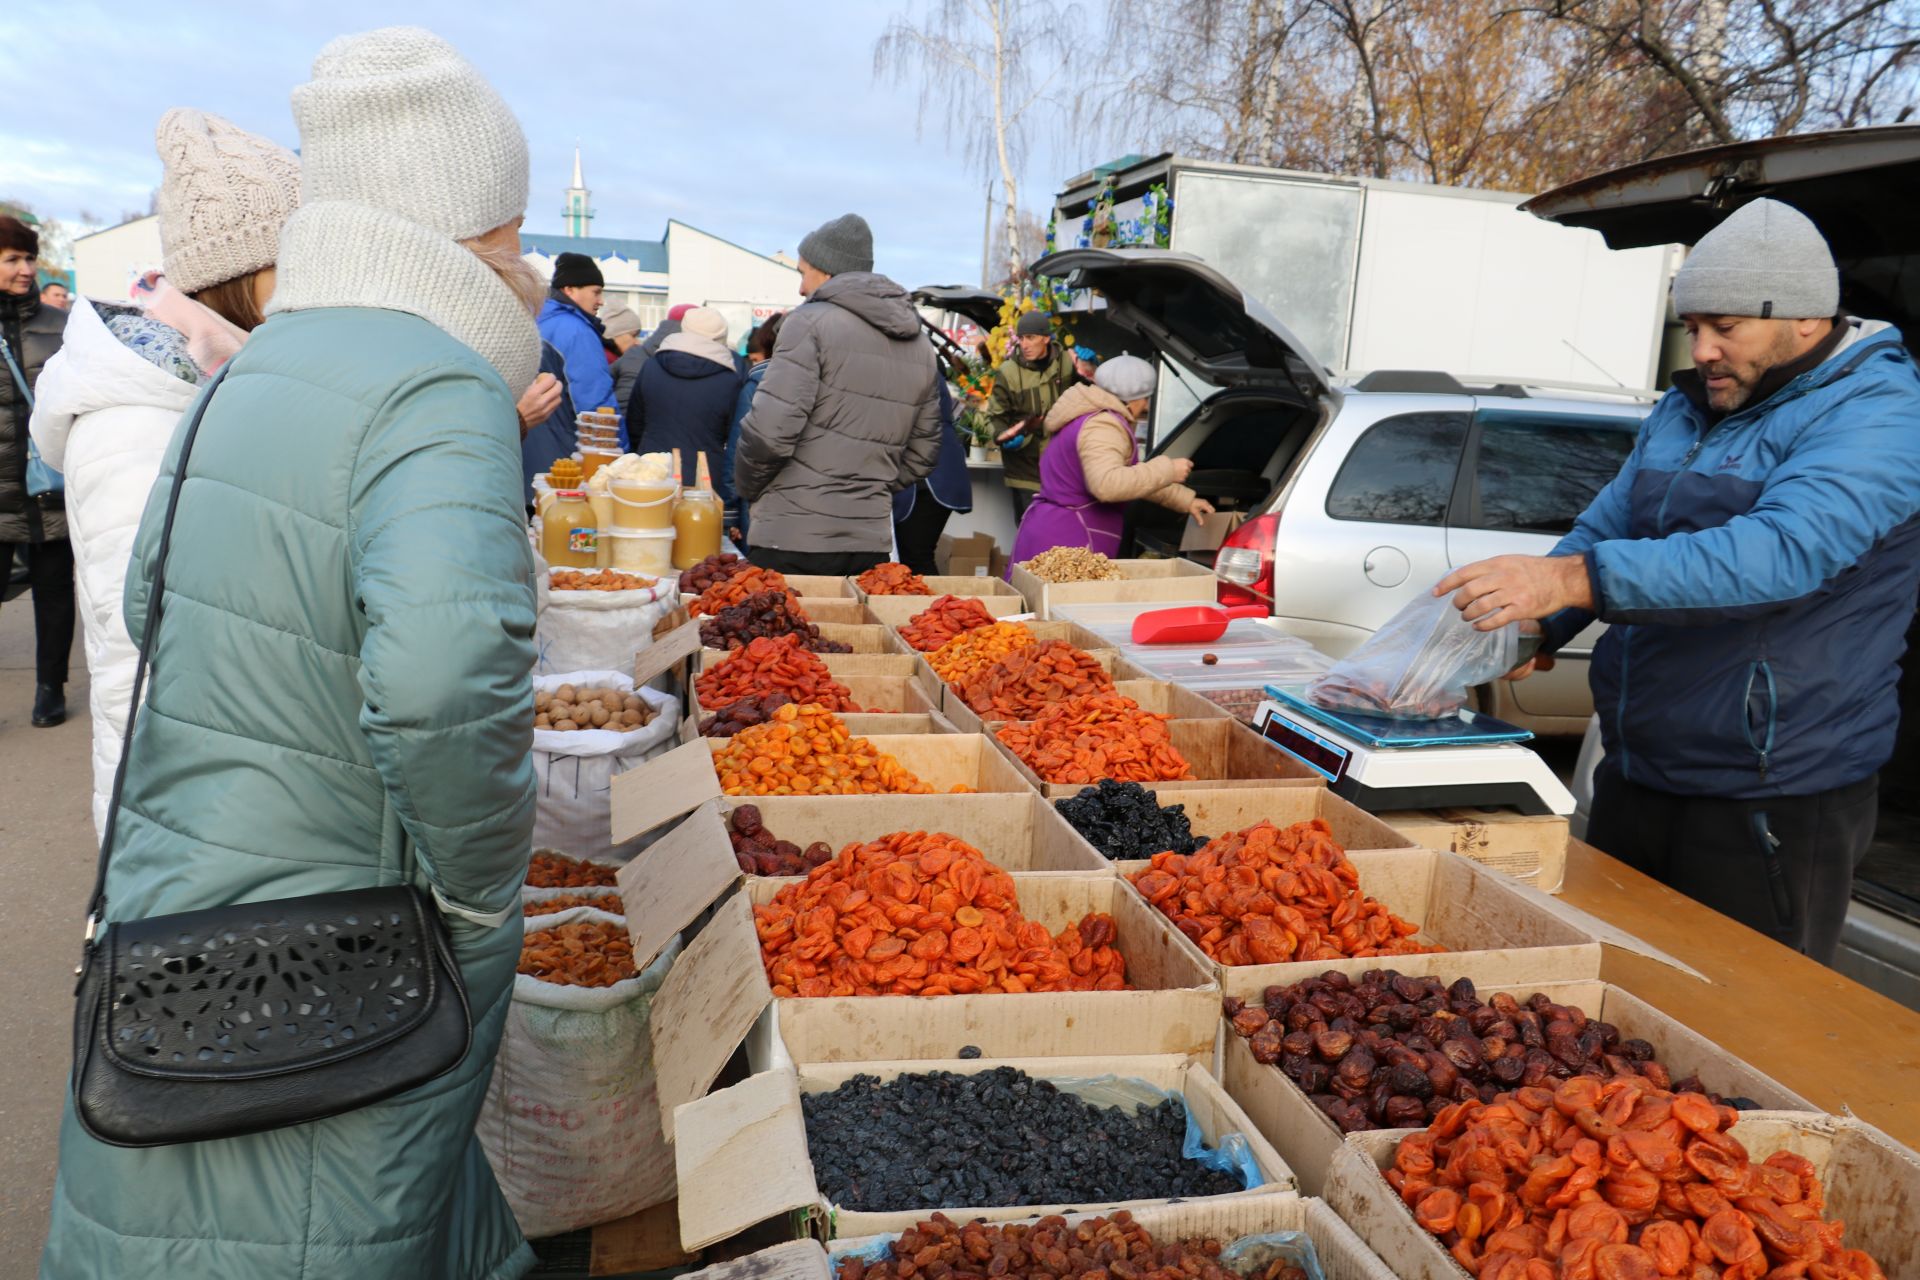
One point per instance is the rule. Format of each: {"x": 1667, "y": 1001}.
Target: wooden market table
{"x": 1826, "y": 1037}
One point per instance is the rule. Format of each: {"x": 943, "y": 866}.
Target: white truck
{"x": 1377, "y": 275}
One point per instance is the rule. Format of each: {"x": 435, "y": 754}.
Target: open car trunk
{"x": 1261, "y": 391}
{"x": 1860, "y": 187}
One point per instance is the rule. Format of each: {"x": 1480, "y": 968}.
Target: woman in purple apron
{"x": 1091, "y": 470}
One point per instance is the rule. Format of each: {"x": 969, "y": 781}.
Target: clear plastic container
{"x": 642, "y": 551}
{"x": 568, "y": 537}
{"x": 645, "y": 505}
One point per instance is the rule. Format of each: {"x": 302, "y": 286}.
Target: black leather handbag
{"x": 245, "y": 1018}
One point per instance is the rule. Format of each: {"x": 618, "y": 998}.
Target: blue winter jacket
{"x": 1760, "y": 573}
{"x": 576, "y": 335}
{"x": 739, "y": 513}
{"x": 553, "y": 439}
{"x": 949, "y": 483}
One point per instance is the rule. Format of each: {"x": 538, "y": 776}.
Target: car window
{"x": 1537, "y": 474}
{"x": 1401, "y": 470}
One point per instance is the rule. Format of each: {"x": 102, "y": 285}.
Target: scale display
{"x": 1323, "y": 755}
{"x": 1463, "y": 728}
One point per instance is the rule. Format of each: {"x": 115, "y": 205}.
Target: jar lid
{"x": 569, "y": 493}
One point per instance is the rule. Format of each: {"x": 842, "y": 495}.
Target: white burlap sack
{"x": 575, "y": 770}
{"x": 571, "y": 1122}
{"x": 597, "y": 630}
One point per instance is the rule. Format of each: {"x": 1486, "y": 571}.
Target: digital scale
{"x": 1466, "y": 760}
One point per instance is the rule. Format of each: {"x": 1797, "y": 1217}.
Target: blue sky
{"x": 753, "y": 119}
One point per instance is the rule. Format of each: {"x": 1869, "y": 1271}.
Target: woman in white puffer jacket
{"x": 107, "y": 404}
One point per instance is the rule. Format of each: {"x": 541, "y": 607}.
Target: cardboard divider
{"x": 1214, "y": 811}
{"x": 730, "y": 1136}
{"x": 1533, "y": 850}
{"x": 1161, "y": 697}
{"x": 1222, "y": 751}
{"x": 1343, "y": 1255}
{"x": 951, "y": 584}
{"x": 868, "y": 724}
{"x": 894, "y": 612}
{"x": 1142, "y": 581}
{"x": 1307, "y": 1139}
{"x": 1018, "y": 833}
{"x": 819, "y": 586}
{"x": 1493, "y": 932}
{"x": 1871, "y": 1182}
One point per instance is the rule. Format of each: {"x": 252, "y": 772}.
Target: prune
{"x": 759, "y": 853}
{"x": 766, "y": 614}
{"x": 1356, "y": 1068}
{"x": 968, "y": 1051}
{"x": 1462, "y": 991}
{"x": 1636, "y": 1050}
{"x": 1266, "y": 1043}
{"x": 1314, "y": 1077}
{"x": 1123, "y": 821}
{"x": 1249, "y": 1021}
{"x": 743, "y": 714}
{"x": 1411, "y": 1081}
{"x": 1405, "y": 1113}
{"x": 998, "y": 1137}
{"x": 1231, "y": 1005}
{"x": 1299, "y": 1042}
{"x": 1332, "y": 1045}
{"x": 1509, "y": 1071}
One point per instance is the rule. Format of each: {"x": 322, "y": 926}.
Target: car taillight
{"x": 1245, "y": 563}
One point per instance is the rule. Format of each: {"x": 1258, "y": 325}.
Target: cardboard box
{"x": 718, "y": 990}
{"x": 1161, "y": 697}
{"x": 1307, "y": 1139}
{"x": 948, "y": 584}
{"x": 1222, "y": 751}
{"x": 842, "y": 610}
{"x": 794, "y": 1260}
{"x": 1018, "y": 833}
{"x": 1494, "y": 931}
{"x": 1214, "y": 811}
{"x": 1531, "y": 850}
{"x": 889, "y": 705}
{"x": 974, "y": 556}
{"x": 895, "y": 612}
{"x": 1169, "y": 581}
{"x": 1872, "y": 1183}
{"x": 741, "y": 1153}
{"x": 672, "y": 784}
{"x": 1342, "y": 1254}
{"x": 1074, "y": 634}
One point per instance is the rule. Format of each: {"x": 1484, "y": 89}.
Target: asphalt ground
{"x": 47, "y": 854}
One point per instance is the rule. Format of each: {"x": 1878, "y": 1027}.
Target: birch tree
{"x": 987, "y": 67}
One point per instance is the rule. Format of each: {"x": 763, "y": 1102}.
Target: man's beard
{"x": 1746, "y": 378}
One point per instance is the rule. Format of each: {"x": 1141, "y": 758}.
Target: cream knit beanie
{"x": 396, "y": 119}
{"x": 224, "y": 195}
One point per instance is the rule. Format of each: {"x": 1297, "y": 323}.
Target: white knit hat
{"x": 224, "y": 195}
{"x": 396, "y": 119}
{"x": 705, "y": 322}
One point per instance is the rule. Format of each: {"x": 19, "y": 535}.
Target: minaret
{"x": 579, "y": 215}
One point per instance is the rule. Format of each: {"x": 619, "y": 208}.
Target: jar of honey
{"x": 697, "y": 521}
{"x": 569, "y": 539}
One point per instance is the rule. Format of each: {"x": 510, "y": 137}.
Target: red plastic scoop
{"x": 1191, "y": 624}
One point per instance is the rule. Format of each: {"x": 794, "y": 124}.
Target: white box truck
{"x": 1373, "y": 275}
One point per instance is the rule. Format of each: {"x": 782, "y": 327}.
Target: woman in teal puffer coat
{"x": 341, "y": 695}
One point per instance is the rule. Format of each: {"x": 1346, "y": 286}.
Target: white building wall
{"x": 708, "y": 270}
{"x": 106, "y": 263}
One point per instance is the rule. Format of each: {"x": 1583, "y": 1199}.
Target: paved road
{"x": 46, "y": 865}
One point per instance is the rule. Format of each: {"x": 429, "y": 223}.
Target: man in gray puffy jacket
{"x": 847, "y": 414}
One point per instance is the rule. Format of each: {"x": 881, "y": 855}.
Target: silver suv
{"x": 1357, "y": 496}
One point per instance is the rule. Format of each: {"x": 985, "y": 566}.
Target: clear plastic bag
{"x": 1420, "y": 665}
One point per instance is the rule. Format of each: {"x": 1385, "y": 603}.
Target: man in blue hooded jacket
{"x": 570, "y": 323}
{"x": 1757, "y": 558}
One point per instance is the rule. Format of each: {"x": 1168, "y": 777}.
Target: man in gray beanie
{"x": 847, "y": 414}
{"x": 1758, "y": 557}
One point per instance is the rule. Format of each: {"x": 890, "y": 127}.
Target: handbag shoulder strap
{"x": 13, "y": 367}
{"x": 156, "y": 596}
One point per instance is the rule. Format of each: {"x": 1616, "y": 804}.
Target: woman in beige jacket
{"x": 1091, "y": 468}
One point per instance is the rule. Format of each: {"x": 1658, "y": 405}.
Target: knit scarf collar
{"x": 337, "y": 254}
